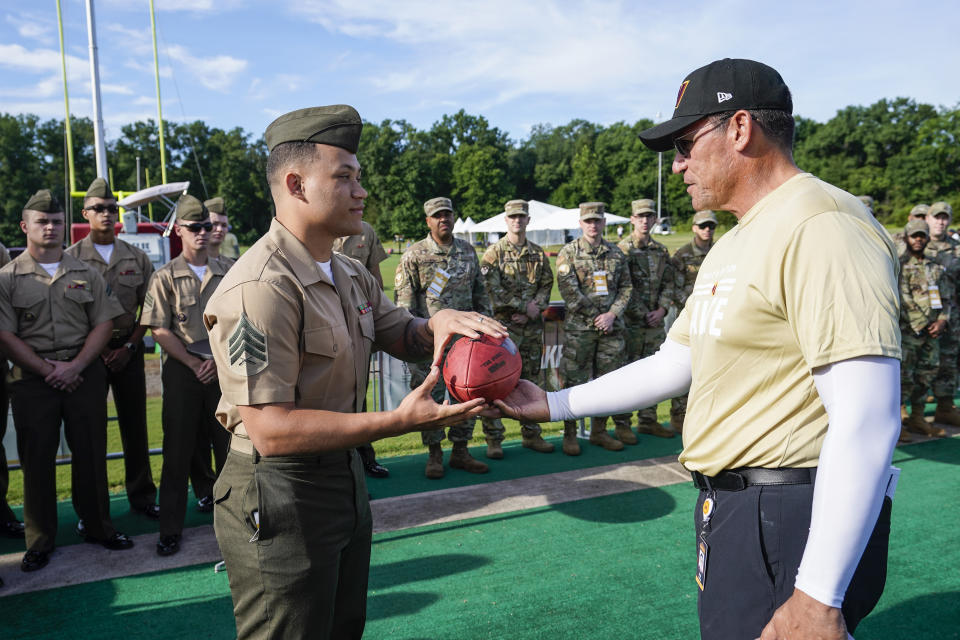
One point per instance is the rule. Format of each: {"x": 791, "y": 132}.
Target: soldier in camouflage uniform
{"x": 519, "y": 280}
{"x": 686, "y": 265}
{"x": 925, "y": 303}
{"x": 945, "y": 250}
{"x": 594, "y": 281}
{"x": 653, "y": 279}
{"x": 919, "y": 212}
{"x": 441, "y": 272}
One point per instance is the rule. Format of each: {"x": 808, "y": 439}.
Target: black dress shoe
{"x": 81, "y": 530}
{"x": 33, "y": 560}
{"x": 205, "y": 504}
{"x": 117, "y": 542}
{"x": 151, "y": 511}
{"x": 375, "y": 470}
{"x": 168, "y": 545}
{"x": 12, "y": 529}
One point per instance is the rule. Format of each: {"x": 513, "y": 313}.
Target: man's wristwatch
{"x": 130, "y": 347}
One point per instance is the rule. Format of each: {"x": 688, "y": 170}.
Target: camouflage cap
{"x": 592, "y": 210}
{"x": 433, "y": 205}
{"x": 916, "y": 226}
{"x": 338, "y": 125}
{"x": 644, "y": 205}
{"x": 517, "y": 208}
{"x": 189, "y": 209}
{"x": 919, "y": 211}
{"x": 215, "y": 205}
{"x": 705, "y": 216}
{"x": 99, "y": 189}
{"x": 940, "y": 207}
{"x": 43, "y": 201}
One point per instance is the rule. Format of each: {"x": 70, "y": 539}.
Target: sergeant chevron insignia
{"x": 247, "y": 348}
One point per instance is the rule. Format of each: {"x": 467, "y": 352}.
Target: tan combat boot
{"x": 460, "y": 458}
{"x": 904, "y": 416}
{"x": 624, "y": 433}
{"x": 904, "y": 435}
{"x": 600, "y": 437}
{"x": 916, "y": 424}
{"x": 494, "y": 449}
{"x": 655, "y": 429}
{"x": 571, "y": 444}
{"x": 947, "y": 413}
{"x": 434, "y": 469}
{"x": 537, "y": 443}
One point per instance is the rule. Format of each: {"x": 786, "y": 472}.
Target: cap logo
{"x": 723, "y": 97}
{"x": 683, "y": 90}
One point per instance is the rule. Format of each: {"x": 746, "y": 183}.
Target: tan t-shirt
{"x": 176, "y": 297}
{"x": 280, "y": 331}
{"x": 805, "y": 279}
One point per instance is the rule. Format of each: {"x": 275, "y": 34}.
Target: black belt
{"x": 62, "y": 355}
{"x": 740, "y": 479}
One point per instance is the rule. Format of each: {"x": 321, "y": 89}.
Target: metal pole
{"x": 98, "y": 143}
{"x": 156, "y": 73}
{"x": 659, "y": 179}
{"x": 146, "y": 172}
{"x": 139, "y": 212}
{"x": 66, "y": 103}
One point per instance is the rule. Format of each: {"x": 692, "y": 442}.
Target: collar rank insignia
{"x": 247, "y": 348}
{"x": 364, "y": 308}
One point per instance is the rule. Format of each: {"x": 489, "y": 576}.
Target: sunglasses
{"x": 195, "y": 227}
{"x": 101, "y": 208}
{"x": 708, "y": 225}
{"x": 684, "y": 144}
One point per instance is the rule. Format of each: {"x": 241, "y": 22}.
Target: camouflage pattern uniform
{"x": 921, "y": 352}
{"x": 589, "y": 353}
{"x": 653, "y": 279}
{"x": 421, "y": 288}
{"x": 686, "y": 265}
{"x": 946, "y": 251}
{"x": 514, "y": 276}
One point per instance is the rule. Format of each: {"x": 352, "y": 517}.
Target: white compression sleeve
{"x": 861, "y": 397}
{"x": 644, "y": 383}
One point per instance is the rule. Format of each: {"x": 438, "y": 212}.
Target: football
{"x": 485, "y": 367}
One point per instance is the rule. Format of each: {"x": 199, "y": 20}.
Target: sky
{"x": 519, "y": 63}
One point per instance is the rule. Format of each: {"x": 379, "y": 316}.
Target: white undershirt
{"x": 50, "y": 267}
{"x": 327, "y": 269}
{"x": 200, "y": 271}
{"x": 105, "y": 251}
{"x": 861, "y": 398}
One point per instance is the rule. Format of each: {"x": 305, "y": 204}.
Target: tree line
{"x": 898, "y": 151}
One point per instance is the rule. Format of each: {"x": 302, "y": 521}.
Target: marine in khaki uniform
{"x": 221, "y": 227}
{"x": 926, "y": 298}
{"x": 441, "y": 272}
{"x": 945, "y": 250}
{"x": 686, "y": 265}
{"x": 593, "y": 276}
{"x": 10, "y": 527}
{"x": 653, "y": 279}
{"x": 126, "y": 270}
{"x": 56, "y": 316}
{"x": 519, "y": 281}
{"x": 918, "y": 212}
{"x": 366, "y": 248}
{"x": 292, "y": 327}
{"x": 173, "y": 310}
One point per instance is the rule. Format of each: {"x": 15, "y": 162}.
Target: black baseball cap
{"x": 724, "y": 85}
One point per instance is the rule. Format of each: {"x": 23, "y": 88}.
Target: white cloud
{"x": 33, "y": 27}
{"x": 216, "y": 72}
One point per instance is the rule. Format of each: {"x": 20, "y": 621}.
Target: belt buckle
{"x": 740, "y": 481}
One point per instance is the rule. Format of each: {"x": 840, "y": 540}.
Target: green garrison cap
{"x": 916, "y": 226}
{"x": 338, "y": 125}
{"x": 940, "y": 207}
{"x": 214, "y": 205}
{"x": 99, "y": 189}
{"x": 705, "y": 216}
{"x": 919, "y": 211}
{"x": 433, "y": 205}
{"x": 43, "y": 201}
{"x": 517, "y": 208}
{"x": 189, "y": 209}
{"x": 592, "y": 210}
{"x": 643, "y": 205}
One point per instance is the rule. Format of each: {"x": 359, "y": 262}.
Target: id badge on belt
{"x": 600, "y": 283}
{"x": 935, "y": 301}
{"x": 703, "y": 549}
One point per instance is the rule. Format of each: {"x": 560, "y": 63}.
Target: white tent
{"x": 465, "y": 229}
{"x": 566, "y": 223}
{"x": 497, "y": 225}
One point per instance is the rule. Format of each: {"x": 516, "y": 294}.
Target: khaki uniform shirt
{"x": 175, "y": 298}
{"x": 432, "y": 277}
{"x": 807, "y": 278}
{"x": 280, "y": 331}
{"x": 53, "y": 314}
{"x": 127, "y": 276}
{"x": 4, "y": 256}
{"x": 593, "y": 280}
{"x": 514, "y": 276}
{"x": 365, "y": 247}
